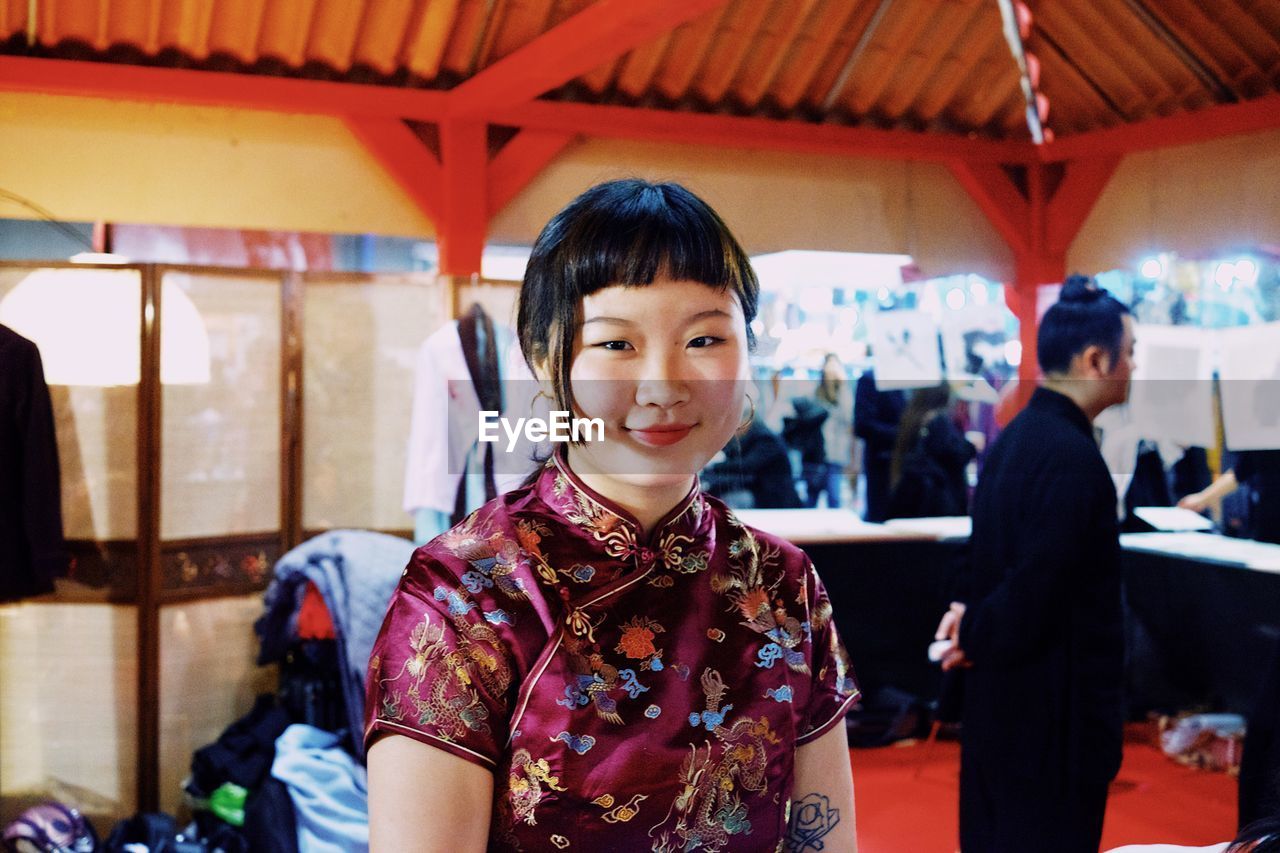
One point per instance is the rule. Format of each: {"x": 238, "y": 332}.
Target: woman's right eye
{"x": 615, "y": 346}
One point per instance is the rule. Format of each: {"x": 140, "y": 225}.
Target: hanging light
{"x": 85, "y": 323}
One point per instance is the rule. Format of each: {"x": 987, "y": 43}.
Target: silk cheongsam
{"x": 628, "y": 692}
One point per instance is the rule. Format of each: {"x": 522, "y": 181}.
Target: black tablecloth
{"x": 1200, "y": 635}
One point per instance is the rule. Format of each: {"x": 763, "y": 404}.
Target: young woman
{"x": 606, "y": 658}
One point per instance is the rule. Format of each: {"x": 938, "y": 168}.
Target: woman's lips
{"x": 662, "y": 436}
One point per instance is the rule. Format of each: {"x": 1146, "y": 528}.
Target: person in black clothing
{"x": 803, "y": 432}
{"x": 32, "y": 550}
{"x": 876, "y": 415}
{"x": 1261, "y": 470}
{"x": 1041, "y": 635}
{"x": 929, "y": 461}
{"x": 755, "y": 461}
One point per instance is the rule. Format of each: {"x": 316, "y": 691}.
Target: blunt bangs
{"x": 629, "y": 232}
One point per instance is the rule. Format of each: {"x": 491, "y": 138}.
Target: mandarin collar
{"x": 1059, "y": 403}
{"x": 619, "y": 531}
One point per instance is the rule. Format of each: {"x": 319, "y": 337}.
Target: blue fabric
{"x": 428, "y": 524}
{"x": 329, "y": 790}
{"x": 356, "y": 572}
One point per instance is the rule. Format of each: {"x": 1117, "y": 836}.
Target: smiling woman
{"x": 608, "y": 658}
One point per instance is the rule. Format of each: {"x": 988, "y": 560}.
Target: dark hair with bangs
{"x": 1085, "y": 315}
{"x": 627, "y": 232}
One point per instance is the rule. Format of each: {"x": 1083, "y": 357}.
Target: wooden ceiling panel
{"x": 689, "y": 45}
{"x": 771, "y": 48}
{"x": 521, "y": 22}
{"x": 810, "y": 50}
{"x": 1229, "y": 43}
{"x": 992, "y": 86}
{"x": 953, "y": 23}
{"x": 982, "y": 44}
{"x": 1155, "y": 73}
{"x": 898, "y": 38}
{"x": 283, "y": 34}
{"x": 601, "y": 79}
{"x": 435, "y": 23}
{"x": 1075, "y": 103}
{"x": 463, "y": 30}
{"x": 386, "y": 34}
{"x": 844, "y": 56}
{"x": 939, "y": 67}
{"x": 334, "y": 28}
{"x": 75, "y": 20}
{"x": 236, "y": 28}
{"x": 736, "y": 36}
{"x": 641, "y": 66}
{"x": 185, "y": 27}
{"x": 131, "y": 22}
{"x": 1078, "y": 40}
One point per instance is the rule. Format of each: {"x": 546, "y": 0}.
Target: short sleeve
{"x": 834, "y": 688}
{"x": 439, "y": 672}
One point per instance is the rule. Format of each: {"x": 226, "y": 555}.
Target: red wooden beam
{"x": 1182, "y": 129}
{"x": 406, "y": 159}
{"x": 251, "y": 91}
{"x": 519, "y": 162}
{"x": 999, "y": 199}
{"x": 756, "y": 133}
{"x": 603, "y": 31}
{"x": 460, "y": 233}
{"x": 1083, "y": 182}
{"x": 108, "y": 80}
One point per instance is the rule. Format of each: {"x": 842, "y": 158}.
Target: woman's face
{"x": 665, "y": 367}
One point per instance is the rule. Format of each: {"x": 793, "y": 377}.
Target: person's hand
{"x": 949, "y": 629}
{"x": 955, "y": 659}
{"x": 1194, "y": 502}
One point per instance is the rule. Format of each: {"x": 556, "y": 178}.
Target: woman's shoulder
{"x": 490, "y": 533}
{"x": 742, "y": 538}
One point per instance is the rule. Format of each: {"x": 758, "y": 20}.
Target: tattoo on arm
{"x": 812, "y": 818}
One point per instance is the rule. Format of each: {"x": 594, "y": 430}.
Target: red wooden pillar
{"x": 1038, "y": 209}
{"x": 464, "y": 220}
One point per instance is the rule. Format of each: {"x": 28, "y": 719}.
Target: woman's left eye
{"x": 705, "y": 341}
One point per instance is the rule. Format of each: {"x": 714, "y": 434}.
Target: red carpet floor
{"x": 907, "y": 799}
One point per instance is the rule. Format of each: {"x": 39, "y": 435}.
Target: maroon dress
{"x": 628, "y": 692}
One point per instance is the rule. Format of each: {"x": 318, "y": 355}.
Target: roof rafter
{"x": 758, "y": 133}
{"x": 217, "y": 88}
{"x": 600, "y": 33}
{"x": 999, "y": 198}
{"x": 519, "y": 162}
{"x": 1186, "y": 128}
{"x": 405, "y": 158}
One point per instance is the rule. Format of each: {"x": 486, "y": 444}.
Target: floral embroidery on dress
{"x": 636, "y": 642}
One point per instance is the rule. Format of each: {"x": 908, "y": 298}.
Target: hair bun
{"x": 1080, "y": 290}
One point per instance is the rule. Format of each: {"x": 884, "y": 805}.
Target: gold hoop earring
{"x": 751, "y": 415}
{"x": 541, "y": 395}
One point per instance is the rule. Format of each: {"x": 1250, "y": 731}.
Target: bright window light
{"x": 85, "y": 323}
